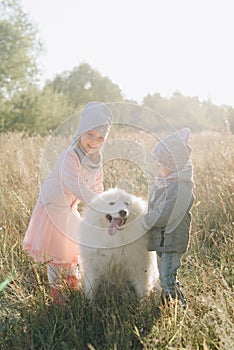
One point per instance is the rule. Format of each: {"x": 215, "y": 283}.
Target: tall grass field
{"x": 117, "y": 319}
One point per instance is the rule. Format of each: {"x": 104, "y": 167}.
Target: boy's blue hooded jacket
{"x": 168, "y": 219}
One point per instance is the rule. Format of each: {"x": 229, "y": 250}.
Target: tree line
{"x": 26, "y": 107}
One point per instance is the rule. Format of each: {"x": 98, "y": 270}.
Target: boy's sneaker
{"x": 171, "y": 299}
{"x": 180, "y": 295}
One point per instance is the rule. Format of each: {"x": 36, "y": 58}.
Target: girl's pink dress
{"x": 53, "y": 229}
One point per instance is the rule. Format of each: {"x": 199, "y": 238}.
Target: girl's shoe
{"x": 72, "y": 282}
{"x": 57, "y": 296}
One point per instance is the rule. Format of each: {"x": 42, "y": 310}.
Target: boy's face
{"x": 91, "y": 141}
{"x": 161, "y": 170}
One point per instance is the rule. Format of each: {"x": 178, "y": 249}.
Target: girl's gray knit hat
{"x": 174, "y": 151}
{"x": 95, "y": 116}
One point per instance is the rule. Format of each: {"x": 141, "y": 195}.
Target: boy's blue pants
{"x": 168, "y": 265}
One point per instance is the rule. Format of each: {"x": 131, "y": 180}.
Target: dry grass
{"x": 119, "y": 320}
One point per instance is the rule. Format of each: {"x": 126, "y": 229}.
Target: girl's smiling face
{"x": 91, "y": 141}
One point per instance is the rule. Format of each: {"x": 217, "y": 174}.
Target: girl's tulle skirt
{"x": 52, "y": 235}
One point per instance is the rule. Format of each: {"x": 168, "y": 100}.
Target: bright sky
{"x": 144, "y": 46}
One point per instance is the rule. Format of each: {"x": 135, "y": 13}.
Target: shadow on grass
{"x": 114, "y": 318}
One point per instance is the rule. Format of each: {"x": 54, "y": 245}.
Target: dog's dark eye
{"x": 126, "y": 203}
{"x": 111, "y": 203}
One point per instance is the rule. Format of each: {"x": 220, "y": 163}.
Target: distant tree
{"x": 229, "y": 119}
{"x": 84, "y": 84}
{"x": 153, "y": 101}
{"x": 214, "y": 115}
{"x": 19, "y": 48}
{"x": 52, "y": 108}
{"x": 37, "y": 112}
{"x": 185, "y": 111}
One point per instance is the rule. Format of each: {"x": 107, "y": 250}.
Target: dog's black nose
{"x": 123, "y": 213}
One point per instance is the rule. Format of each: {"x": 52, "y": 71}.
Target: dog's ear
{"x": 140, "y": 203}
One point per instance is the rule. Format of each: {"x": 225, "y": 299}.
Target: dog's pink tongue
{"x": 112, "y": 229}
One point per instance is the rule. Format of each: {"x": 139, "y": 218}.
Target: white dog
{"x": 113, "y": 244}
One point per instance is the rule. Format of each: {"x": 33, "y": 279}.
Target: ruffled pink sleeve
{"x": 73, "y": 178}
{"x": 98, "y": 186}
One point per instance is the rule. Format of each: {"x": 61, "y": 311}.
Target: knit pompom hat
{"x": 95, "y": 116}
{"x": 173, "y": 152}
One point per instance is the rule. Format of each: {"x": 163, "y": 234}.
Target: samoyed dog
{"x": 113, "y": 244}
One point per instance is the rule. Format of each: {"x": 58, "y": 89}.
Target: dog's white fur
{"x": 116, "y": 254}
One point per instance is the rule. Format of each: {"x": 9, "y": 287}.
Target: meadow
{"x": 118, "y": 320}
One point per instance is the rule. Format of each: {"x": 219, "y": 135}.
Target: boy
{"x": 168, "y": 218}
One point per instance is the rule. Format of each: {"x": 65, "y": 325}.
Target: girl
{"x": 76, "y": 177}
